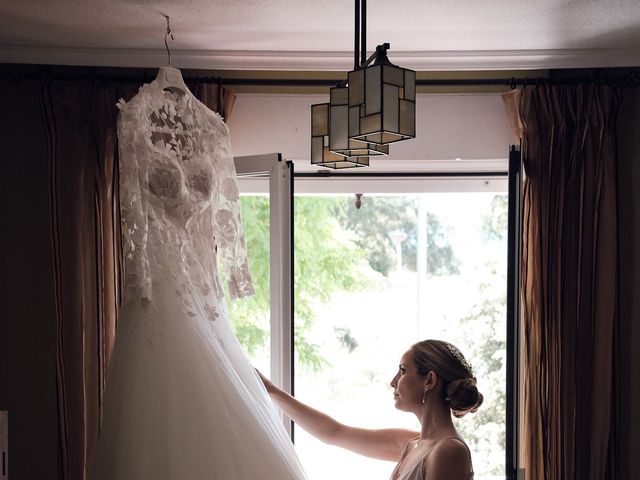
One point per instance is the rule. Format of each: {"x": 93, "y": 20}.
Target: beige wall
{"x": 629, "y": 228}
{"x": 467, "y": 127}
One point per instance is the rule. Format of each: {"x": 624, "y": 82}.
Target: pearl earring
{"x": 424, "y": 397}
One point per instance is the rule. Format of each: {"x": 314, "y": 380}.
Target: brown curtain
{"x": 569, "y": 277}
{"x": 215, "y": 96}
{"x": 80, "y": 118}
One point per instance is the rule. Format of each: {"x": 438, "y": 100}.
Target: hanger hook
{"x": 166, "y": 45}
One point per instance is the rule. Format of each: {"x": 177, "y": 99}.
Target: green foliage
{"x": 326, "y": 260}
{"x": 381, "y": 215}
{"x": 485, "y": 339}
{"x": 494, "y": 226}
{"x": 485, "y": 336}
{"x": 440, "y": 257}
{"x": 250, "y": 316}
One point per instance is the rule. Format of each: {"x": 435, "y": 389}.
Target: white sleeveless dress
{"x": 414, "y": 473}
{"x": 182, "y": 401}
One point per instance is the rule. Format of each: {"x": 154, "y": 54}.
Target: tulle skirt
{"x": 182, "y": 402}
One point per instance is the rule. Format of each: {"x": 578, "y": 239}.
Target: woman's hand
{"x": 271, "y": 388}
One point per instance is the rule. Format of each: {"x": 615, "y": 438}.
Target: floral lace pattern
{"x": 179, "y": 202}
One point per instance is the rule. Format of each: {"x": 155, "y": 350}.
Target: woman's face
{"x": 408, "y": 385}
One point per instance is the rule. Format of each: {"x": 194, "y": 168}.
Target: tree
{"x": 378, "y": 216}
{"x": 326, "y": 260}
{"x": 494, "y": 226}
{"x": 485, "y": 338}
{"x": 440, "y": 256}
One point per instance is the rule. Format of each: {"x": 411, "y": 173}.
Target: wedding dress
{"x": 182, "y": 402}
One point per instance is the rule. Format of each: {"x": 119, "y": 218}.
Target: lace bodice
{"x": 179, "y": 199}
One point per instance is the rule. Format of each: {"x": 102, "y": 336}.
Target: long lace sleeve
{"x": 229, "y": 232}
{"x": 133, "y": 208}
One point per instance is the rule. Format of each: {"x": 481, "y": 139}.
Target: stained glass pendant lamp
{"x": 320, "y": 153}
{"x": 374, "y": 108}
{"x": 382, "y": 101}
{"x": 339, "y": 141}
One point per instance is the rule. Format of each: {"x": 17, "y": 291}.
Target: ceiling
{"x": 318, "y": 35}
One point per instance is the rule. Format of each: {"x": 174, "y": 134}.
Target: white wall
{"x": 472, "y": 128}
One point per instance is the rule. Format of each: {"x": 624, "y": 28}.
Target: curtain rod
{"x": 335, "y": 174}
{"x": 630, "y": 79}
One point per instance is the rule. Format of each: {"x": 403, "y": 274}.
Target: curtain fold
{"x": 568, "y": 277}
{"x": 80, "y": 121}
{"x": 215, "y": 96}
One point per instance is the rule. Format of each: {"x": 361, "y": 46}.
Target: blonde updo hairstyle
{"x": 459, "y": 385}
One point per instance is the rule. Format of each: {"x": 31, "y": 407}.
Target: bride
{"x": 433, "y": 381}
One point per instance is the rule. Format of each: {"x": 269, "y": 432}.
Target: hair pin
{"x": 460, "y": 358}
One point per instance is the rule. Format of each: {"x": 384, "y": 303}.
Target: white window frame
{"x": 270, "y": 174}
{"x": 276, "y": 178}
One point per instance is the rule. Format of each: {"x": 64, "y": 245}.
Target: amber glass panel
{"x": 329, "y": 156}
{"x": 384, "y": 137}
{"x": 410, "y": 85}
{"x": 339, "y": 96}
{"x": 388, "y": 137}
{"x": 355, "y": 162}
{"x": 319, "y": 119}
{"x": 391, "y": 109}
{"x": 356, "y": 87}
{"x": 338, "y": 127}
{"x": 407, "y": 118}
{"x": 354, "y": 121}
{"x": 316, "y": 149}
{"x": 393, "y": 75}
{"x": 372, "y": 148}
{"x": 371, "y": 124}
{"x": 373, "y": 90}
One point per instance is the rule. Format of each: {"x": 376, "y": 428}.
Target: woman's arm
{"x": 383, "y": 444}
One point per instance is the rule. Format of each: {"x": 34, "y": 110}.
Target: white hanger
{"x": 170, "y": 78}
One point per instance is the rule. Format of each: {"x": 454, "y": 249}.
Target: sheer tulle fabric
{"x": 182, "y": 401}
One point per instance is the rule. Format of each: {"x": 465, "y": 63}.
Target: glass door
{"x": 264, "y": 323}
{"x": 409, "y": 259}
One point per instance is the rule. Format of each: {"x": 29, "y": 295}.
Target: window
{"x": 397, "y": 270}
{"x": 427, "y": 262}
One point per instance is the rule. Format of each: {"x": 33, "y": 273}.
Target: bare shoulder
{"x": 450, "y": 460}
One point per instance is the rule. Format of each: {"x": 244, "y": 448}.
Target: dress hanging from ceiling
{"x": 182, "y": 400}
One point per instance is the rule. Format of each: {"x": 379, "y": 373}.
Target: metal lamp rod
{"x": 363, "y": 32}
{"x": 356, "y": 45}
{"x": 360, "y": 34}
